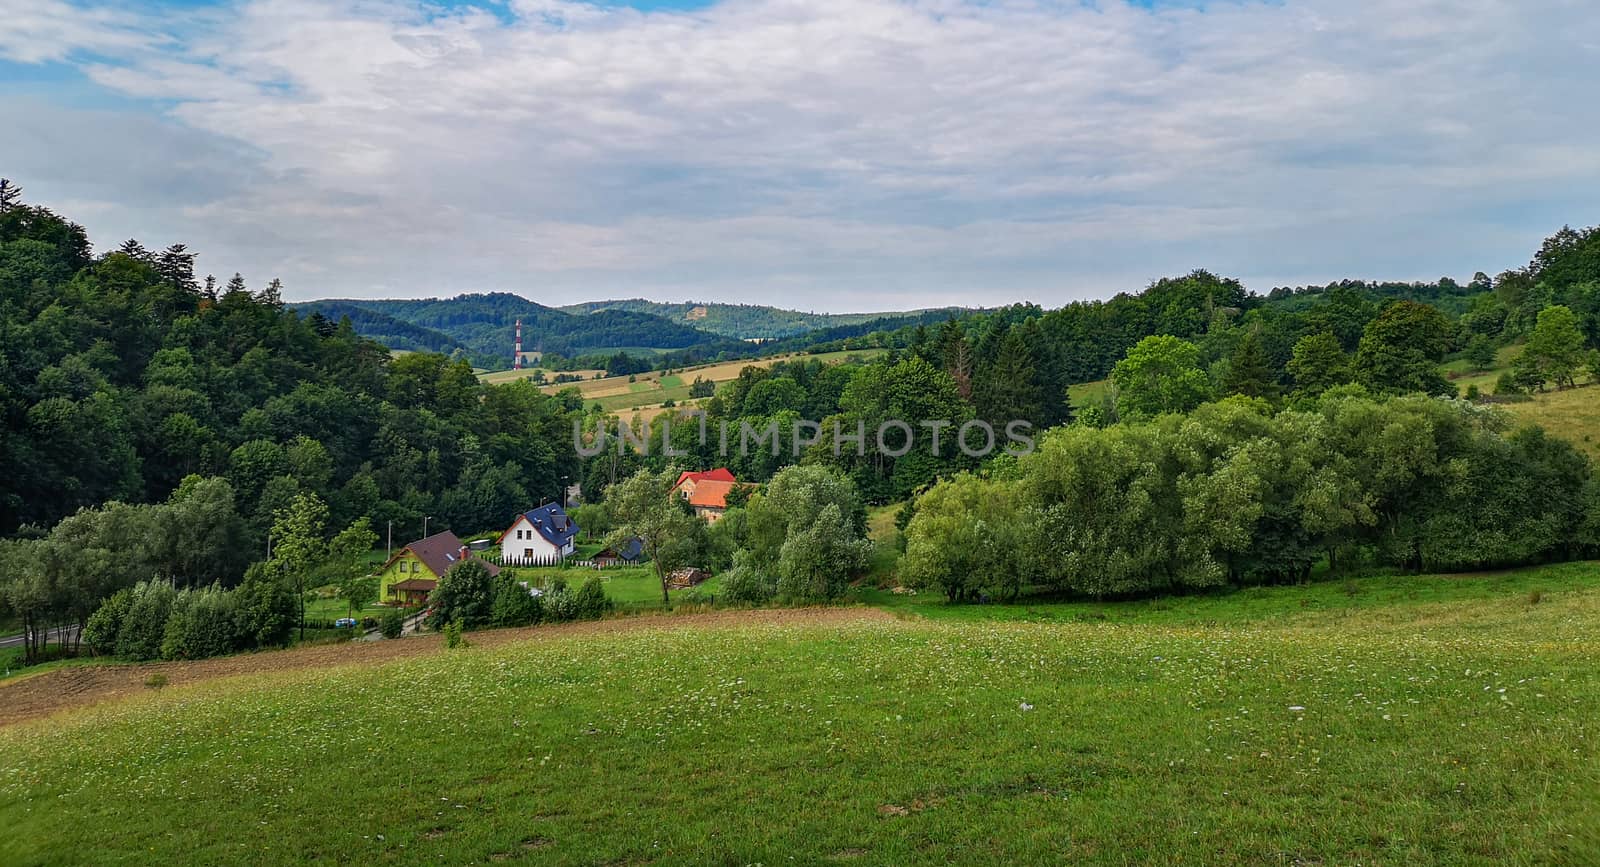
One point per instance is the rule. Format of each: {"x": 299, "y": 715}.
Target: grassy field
{"x": 630, "y": 587}
{"x": 500, "y": 377}
{"x": 334, "y": 608}
{"x": 1573, "y": 414}
{"x": 646, "y": 389}
{"x": 1450, "y": 720}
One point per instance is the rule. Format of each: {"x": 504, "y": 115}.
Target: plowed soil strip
{"x": 66, "y": 688}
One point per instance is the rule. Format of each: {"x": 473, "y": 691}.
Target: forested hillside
{"x": 121, "y": 373}
{"x": 748, "y": 321}
{"x": 482, "y": 327}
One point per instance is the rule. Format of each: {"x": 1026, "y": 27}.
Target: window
{"x": 528, "y": 553}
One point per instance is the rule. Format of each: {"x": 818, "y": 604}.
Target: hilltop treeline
{"x": 1182, "y": 342}
{"x": 482, "y": 327}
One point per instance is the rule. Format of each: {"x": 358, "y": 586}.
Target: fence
{"x": 526, "y": 562}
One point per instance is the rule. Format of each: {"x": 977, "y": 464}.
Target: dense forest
{"x": 122, "y": 373}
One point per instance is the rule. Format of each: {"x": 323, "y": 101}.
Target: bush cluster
{"x": 153, "y": 620}
{"x": 1234, "y": 494}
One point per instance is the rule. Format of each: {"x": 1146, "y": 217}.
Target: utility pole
{"x": 425, "y": 521}
{"x": 388, "y": 547}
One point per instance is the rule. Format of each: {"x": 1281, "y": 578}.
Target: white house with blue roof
{"x": 542, "y": 535}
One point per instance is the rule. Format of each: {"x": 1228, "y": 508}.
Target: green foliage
{"x": 514, "y": 604}
{"x": 1161, "y": 374}
{"x": 104, "y": 626}
{"x": 144, "y": 626}
{"x": 268, "y": 607}
{"x": 204, "y": 623}
{"x": 1232, "y": 494}
{"x": 590, "y": 602}
{"x": 745, "y": 584}
{"x": 1249, "y": 370}
{"x": 593, "y": 518}
{"x": 465, "y": 595}
{"x": 1318, "y": 364}
{"x": 393, "y": 624}
{"x": 452, "y": 636}
{"x": 968, "y": 539}
{"x": 642, "y": 506}
{"x": 1554, "y": 351}
{"x": 1400, "y": 351}
{"x": 1480, "y": 352}
{"x": 808, "y": 529}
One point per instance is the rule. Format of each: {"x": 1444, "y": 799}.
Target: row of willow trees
{"x": 1233, "y": 494}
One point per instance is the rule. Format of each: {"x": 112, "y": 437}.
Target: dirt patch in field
{"x": 31, "y": 697}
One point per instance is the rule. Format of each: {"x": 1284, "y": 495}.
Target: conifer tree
{"x": 10, "y": 195}
{"x": 134, "y": 250}
{"x": 1249, "y": 372}
{"x": 176, "y": 266}
{"x": 273, "y": 294}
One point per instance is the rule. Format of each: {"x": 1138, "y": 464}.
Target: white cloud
{"x": 838, "y": 153}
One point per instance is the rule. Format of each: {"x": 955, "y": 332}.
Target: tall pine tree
{"x": 134, "y": 250}
{"x": 10, "y": 195}
{"x": 1249, "y": 371}
{"x": 176, "y": 266}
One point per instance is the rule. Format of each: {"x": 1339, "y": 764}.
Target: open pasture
{"x": 1450, "y": 728}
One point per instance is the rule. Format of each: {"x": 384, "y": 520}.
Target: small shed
{"x": 626, "y": 554}
{"x": 681, "y": 578}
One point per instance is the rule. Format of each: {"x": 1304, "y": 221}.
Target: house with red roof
{"x": 707, "y": 492}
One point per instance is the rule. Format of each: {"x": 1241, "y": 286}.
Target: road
{"x": 60, "y": 634}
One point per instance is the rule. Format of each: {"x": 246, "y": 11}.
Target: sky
{"x": 838, "y": 155}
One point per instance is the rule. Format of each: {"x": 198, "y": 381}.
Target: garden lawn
{"x": 1450, "y": 727}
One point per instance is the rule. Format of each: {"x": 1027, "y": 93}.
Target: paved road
{"x": 413, "y": 626}
{"x": 60, "y": 634}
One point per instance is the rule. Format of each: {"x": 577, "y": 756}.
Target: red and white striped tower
{"x": 516, "y": 360}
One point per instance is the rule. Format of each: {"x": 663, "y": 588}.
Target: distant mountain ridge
{"x": 748, "y": 321}
{"x": 481, "y": 327}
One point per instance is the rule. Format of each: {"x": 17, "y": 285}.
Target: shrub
{"x": 514, "y": 604}
{"x": 590, "y": 602}
{"x": 394, "y": 623}
{"x": 745, "y": 584}
{"x": 559, "y": 602}
{"x": 145, "y": 625}
{"x": 267, "y": 609}
{"x": 452, "y": 635}
{"x": 155, "y": 681}
{"x": 105, "y": 624}
{"x": 204, "y": 623}
{"x": 465, "y": 594}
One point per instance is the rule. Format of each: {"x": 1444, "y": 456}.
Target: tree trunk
{"x": 661, "y": 575}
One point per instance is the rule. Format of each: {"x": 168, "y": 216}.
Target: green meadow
{"x": 1432, "y": 720}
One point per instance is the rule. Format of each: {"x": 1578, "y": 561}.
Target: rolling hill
{"x": 745, "y": 321}
{"x": 480, "y": 326}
